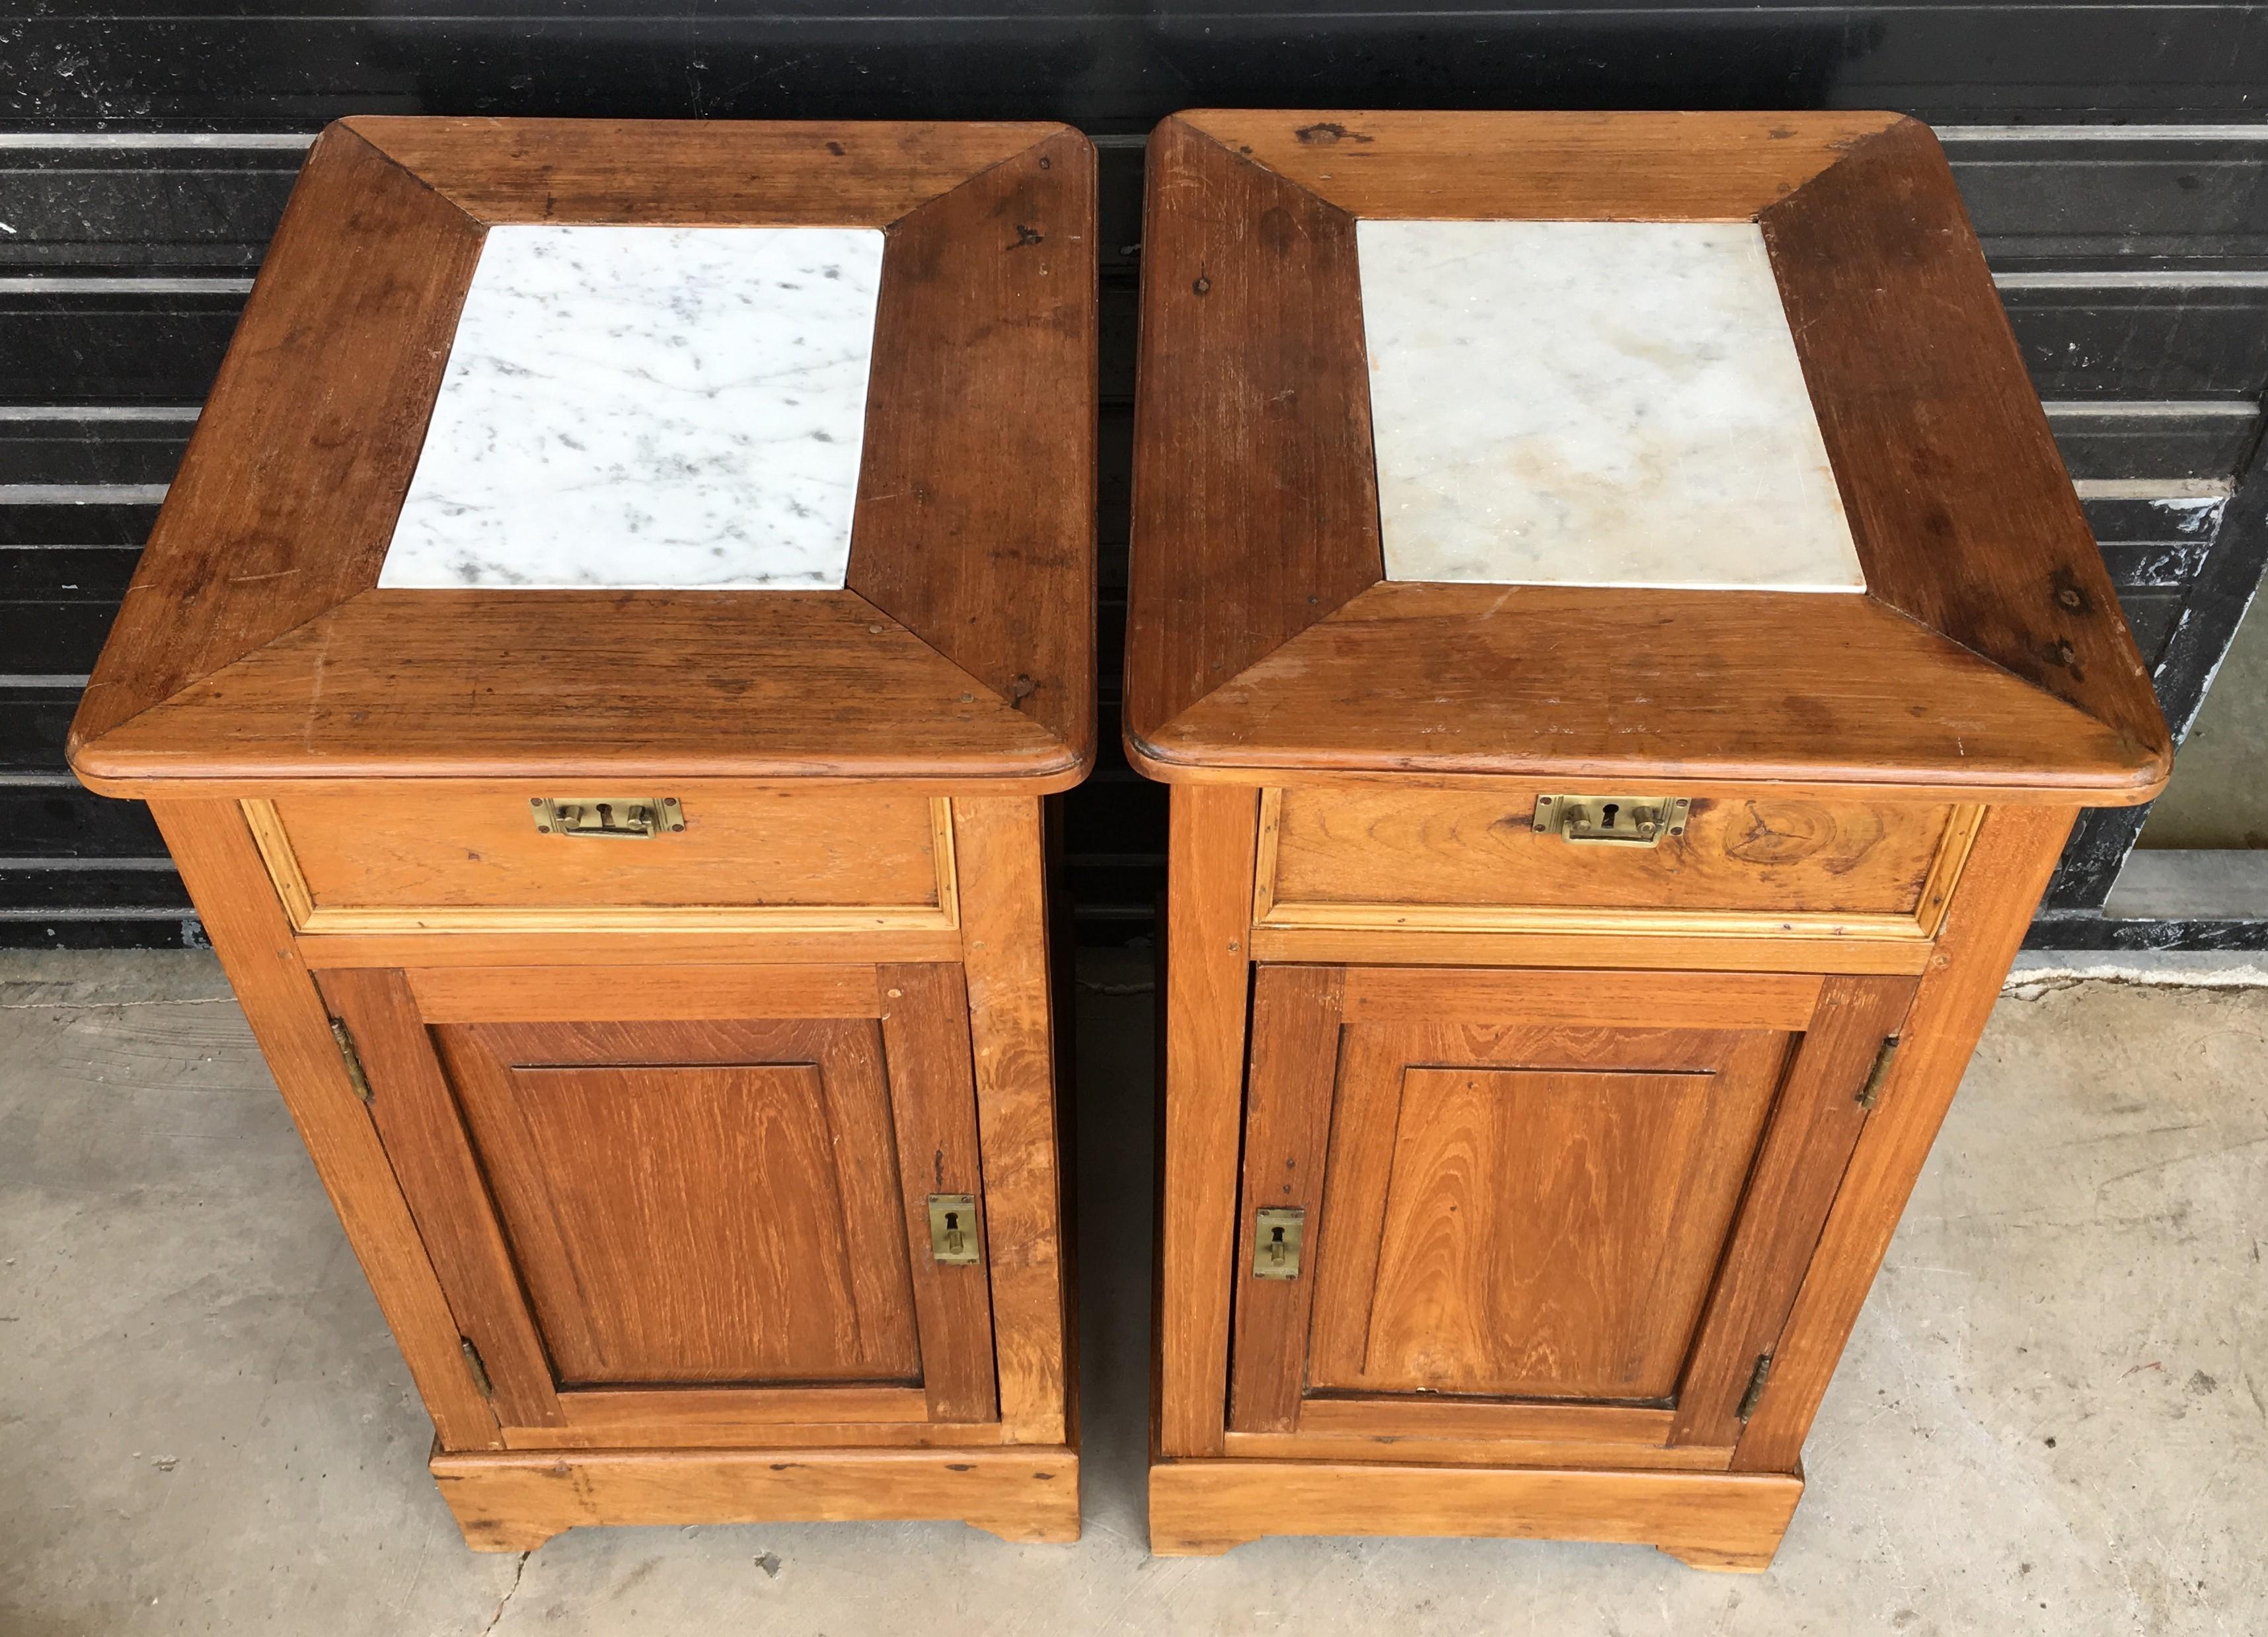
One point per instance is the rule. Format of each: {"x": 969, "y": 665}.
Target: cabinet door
{"x": 1535, "y": 1205}
{"x": 691, "y": 1204}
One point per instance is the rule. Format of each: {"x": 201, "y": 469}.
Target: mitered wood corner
{"x": 1986, "y": 654}
{"x": 971, "y": 655}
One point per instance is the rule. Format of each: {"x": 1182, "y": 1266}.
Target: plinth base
{"x": 516, "y": 1501}
{"x": 1727, "y": 1521}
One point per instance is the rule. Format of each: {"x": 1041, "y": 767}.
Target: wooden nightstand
{"x": 599, "y": 670}
{"x": 1627, "y": 656}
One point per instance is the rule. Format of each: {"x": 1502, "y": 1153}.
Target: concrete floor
{"x": 2054, "y": 1417}
{"x": 2217, "y": 797}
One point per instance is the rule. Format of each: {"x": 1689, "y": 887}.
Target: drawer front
{"x": 786, "y": 862}
{"x": 1474, "y": 862}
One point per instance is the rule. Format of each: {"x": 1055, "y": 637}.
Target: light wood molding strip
{"x": 1587, "y": 1000}
{"x": 575, "y": 994}
{"x": 283, "y": 864}
{"x": 614, "y": 1410}
{"x": 1639, "y": 1425}
{"x": 1401, "y": 947}
{"x": 1402, "y": 1448}
{"x": 948, "y": 864}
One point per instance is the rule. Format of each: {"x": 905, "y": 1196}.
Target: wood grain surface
{"x": 824, "y": 848}
{"x": 1958, "y": 501}
{"x": 1209, "y": 870}
{"x": 1812, "y": 690}
{"x": 1987, "y": 660}
{"x": 1419, "y": 847}
{"x": 693, "y": 172}
{"x": 1814, "y": 1122}
{"x": 677, "y": 1222}
{"x": 333, "y": 372}
{"x": 1625, "y": 165}
{"x": 289, "y": 1018}
{"x": 418, "y": 1121}
{"x": 2009, "y": 868}
{"x": 1526, "y": 1218}
{"x": 667, "y": 684}
{"x": 1255, "y": 504}
{"x": 1287, "y": 1132}
{"x": 514, "y": 1502}
{"x": 1014, "y": 1040}
{"x": 974, "y": 526}
{"x": 1712, "y": 1520}
{"x": 254, "y": 646}
{"x": 925, "y": 1033}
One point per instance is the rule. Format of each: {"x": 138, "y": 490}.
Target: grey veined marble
{"x": 1593, "y": 403}
{"x": 648, "y": 408}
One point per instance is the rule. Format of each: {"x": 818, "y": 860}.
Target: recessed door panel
{"x": 1548, "y": 1233}
{"x": 649, "y": 1223}
{"x": 1517, "y": 1195}
{"x": 681, "y": 1223}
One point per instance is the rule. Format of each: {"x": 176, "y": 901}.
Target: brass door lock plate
{"x": 1276, "y": 1241}
{"x": 1612, "y": 821}
{"x": 621, "y": 818}
{"x": 952, "y": 1229}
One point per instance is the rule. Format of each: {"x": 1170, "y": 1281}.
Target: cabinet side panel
{"x": 2015, "y": 853}
{"x": 230, "y": 886}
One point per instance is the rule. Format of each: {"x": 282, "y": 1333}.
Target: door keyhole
{"x": 952, "y": 1232}
{"x": 1275, "y": 1247}
{"x": 1608, "y": 813}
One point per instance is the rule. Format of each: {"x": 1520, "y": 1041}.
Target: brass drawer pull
{"x": 1612, "y": 821}
{"x": 629, "y": 818}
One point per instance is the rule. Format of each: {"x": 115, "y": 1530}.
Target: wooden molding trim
{"x": 622, "y": 1414}
{"x": 311, "y": 920}
{"x": 674, "y": 947}
{"x": 1426, "y": 1449}
{"x": 718, "y": 1434}
{"x": 597, "y": 993}
{"x": 1639, "y": 951}
{"x": 1272, "y": 914}
{"x": 1644, "y": 1426}
{"x": 515, "y": 1502}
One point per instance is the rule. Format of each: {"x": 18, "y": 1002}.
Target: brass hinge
{"x": 479, "y": 1371}
{"x": 1871, "y": 1092}
{"x": 1756, "y": 1391}
{"x": 352, "y": 1058}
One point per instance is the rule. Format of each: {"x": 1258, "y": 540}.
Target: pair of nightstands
{"x": 1624, "y": 649}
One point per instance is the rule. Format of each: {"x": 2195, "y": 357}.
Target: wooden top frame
{"x": 1987, "y": 656}
{"x": 253, "y": 645}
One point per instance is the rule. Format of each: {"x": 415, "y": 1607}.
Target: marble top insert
{"x": 648, "y": 408}
{"x": 1593, "y": 403}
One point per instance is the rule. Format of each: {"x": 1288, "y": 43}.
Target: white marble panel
{"x": 1593, "y": 403}
{"x": 649, "y": 408}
